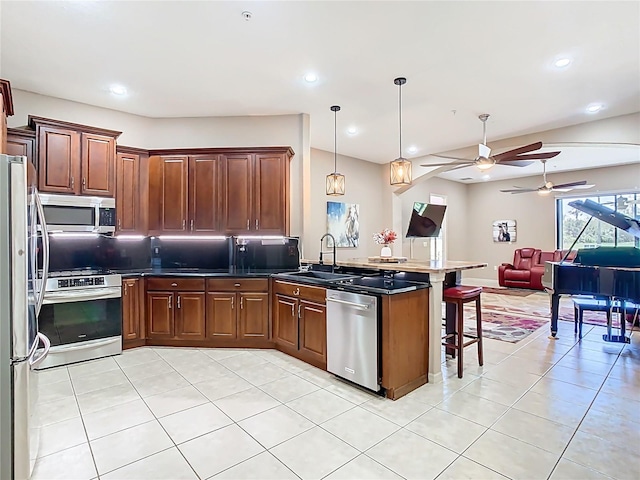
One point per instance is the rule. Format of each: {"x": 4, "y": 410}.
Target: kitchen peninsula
{"x": 440, "y": 273}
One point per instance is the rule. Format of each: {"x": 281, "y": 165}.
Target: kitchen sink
{"x": 329, "y": 276}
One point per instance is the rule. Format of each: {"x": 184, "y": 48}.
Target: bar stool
{"x": 459, "y": 295}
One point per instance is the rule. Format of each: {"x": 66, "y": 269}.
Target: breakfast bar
{"x": 440, "y": 272}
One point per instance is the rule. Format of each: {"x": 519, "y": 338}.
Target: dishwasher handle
{"x": 362, "y": 306}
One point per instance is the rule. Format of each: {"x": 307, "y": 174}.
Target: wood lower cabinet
{"x": 189, "y": 316}
{"x": 300, "y": 321}
{"x": 75, "y": 159}
{"x": 133, "y": 325}
{"x": 160, "y": 315}
{"x": 238, "y": 311}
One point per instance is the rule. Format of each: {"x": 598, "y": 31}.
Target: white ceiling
{"x": 188, "y": 59}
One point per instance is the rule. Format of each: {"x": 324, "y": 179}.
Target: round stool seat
{"x": 461, "y": 292}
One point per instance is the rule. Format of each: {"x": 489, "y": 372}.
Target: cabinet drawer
{"x": 238, "y": 284}
{"x": 183, "y": 284}
{"x": 316, "y": 294}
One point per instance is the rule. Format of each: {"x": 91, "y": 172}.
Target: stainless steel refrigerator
{"x": 22, "y": 346}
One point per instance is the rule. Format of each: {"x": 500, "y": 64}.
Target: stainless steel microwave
{"x": 73, "y": 213}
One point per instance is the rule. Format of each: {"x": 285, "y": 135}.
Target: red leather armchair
{"x": 518, "y": 274}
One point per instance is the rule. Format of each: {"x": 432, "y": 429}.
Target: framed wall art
{"x": 504, "y": 231}
{"x": 343, "y": 223}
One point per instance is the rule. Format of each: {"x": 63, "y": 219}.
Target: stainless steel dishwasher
{"x": 352, "y": 337}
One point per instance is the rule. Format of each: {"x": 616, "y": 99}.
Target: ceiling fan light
{"x": 543, "y": 192}
{"x": 401, "y": 172}
{"x": 484, "y": 164}
{"x": 335, "y": 184}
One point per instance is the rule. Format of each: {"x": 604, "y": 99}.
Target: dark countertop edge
{"x": 347, "y": 288}
{"x": 203, "y": 273}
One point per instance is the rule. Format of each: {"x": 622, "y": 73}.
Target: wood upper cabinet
{"x": 75, "y": 159}
{"x": 271, "y": 205}
{"x": 175, "y": 171}
{"x": 21, "y": 142}
{"x": 205, "y": 193}
{"x": 58, "y": 160}
{"x": 128, "y": 192}
{"x": 132, "y": 311}
{"x": 238, "y": 182}
{"x": 98, "y": 165}
{"x": 6, "y": 110}
{"x": 160, "y": 315}
{"x": 189, "y": 315}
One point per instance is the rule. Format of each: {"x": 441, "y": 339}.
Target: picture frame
{"x": 504, "y": 231}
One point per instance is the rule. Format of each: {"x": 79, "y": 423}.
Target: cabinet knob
{"x": 236, "y": 284}
{"x": 256, "y": 224}
{"x": 72, "y": 182}
{"x": 247, "y": 224}
{"x": 184, "y": 224}
{"x": 232, "y": 299}
{"x": 178, "y": 301}
{"x": 84, "y": 182}
{"x": 119, "y": 225}
{"x": 174, "y": 284}
{"x": 192, "y": 225}
{"x": 241, "y": 303}
{"x": 296, "y": 291}
{"x": 169, "y": 302}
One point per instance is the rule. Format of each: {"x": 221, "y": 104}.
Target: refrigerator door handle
{"x": 35, "y": 361}
{"x": 45, "y": 253}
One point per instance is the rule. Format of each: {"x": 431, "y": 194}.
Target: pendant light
{"x": 400, "y": 167}
{"x": 335, "y": 180}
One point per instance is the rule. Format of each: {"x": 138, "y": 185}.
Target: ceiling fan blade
{"x": 442, "y": 164}
{"x": 518, "y": 151}
{"x": 582, "y": 187}
{"x": 452, "y": 158}
{"x": 516, "y": 163}
{"x": 520, "y": 190}
{"x": 570, "y": 185}
{"x": 532, "y": 156}
{"x": 457, "y": 167}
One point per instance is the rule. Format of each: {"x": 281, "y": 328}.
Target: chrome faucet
{"x": 333, "y": 267}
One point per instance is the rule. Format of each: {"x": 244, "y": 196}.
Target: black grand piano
{"x": 607, "y": 273}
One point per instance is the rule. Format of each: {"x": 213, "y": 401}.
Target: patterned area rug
{"x": 517, "y": 292}
{"x": 503, "y": 326}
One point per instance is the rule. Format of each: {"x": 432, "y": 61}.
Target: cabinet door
{"x": 238, "y": 199}
{"x": 127, "y": 192}
{"x": 285, "y": 321}
{"x": 205, "y": 193}
{"x": 130, "y": 309}
{"x": 20, "y": 146}
{"x": 190, "y": 315}
{"x": 160, "y": 314}
{"x": 98, "y": 165}
{"x": 58, "y": 160}
{"x": 173, "y": 201}
{"x": 271, "y": 200}
{"x": 313, "y": 331}
{"x": 253, "y": 319}
{"x": 221, "y": 315}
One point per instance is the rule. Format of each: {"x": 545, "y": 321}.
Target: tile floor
{"x": 538, "y": 409}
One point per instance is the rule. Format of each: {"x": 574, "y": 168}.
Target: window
{"x": 571, "y": 221}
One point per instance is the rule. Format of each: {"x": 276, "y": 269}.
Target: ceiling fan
{"x": 547, "y": 187}
{"x": 484, "y": 160}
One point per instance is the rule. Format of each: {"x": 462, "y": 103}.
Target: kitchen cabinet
{"x": 185, "y": 194}
{"x": 219, "y": 191}
{"x": 133, "y": 328}
{"x": 21, "y": 142}
{"x": 131, "y": 191}
{"x": 300, "y": 321}
{"x": 175, "y": 309}
{"x": 6, "y": 110}
{"x": 238, "y": 310}
{"x": 74, "y": 159}
{"x": 257, "y": 187}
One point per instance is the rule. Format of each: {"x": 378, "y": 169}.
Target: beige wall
{"x": 147, "y": 132}
{"x": 363, "y": 185}
{"x": 455, "y": 230}
{"x": 535, "y": 215}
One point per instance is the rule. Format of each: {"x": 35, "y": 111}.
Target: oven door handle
{"x": 362, "y": 306}
{"x": 82, "y": 295}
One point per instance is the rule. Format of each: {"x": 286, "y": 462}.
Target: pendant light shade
{"x": 335, "y": 180}
{"x": 400, "y": 167}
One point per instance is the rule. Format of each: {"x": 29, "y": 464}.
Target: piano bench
{"x": 595, "y": 305}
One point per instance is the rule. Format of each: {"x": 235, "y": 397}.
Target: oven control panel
{"x": 81, "y": 282}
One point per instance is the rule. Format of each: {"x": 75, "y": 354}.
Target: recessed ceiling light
{"x": 595, "y": 108}
{"x": 310, "y": 77}
{"x": 412, "y": 149}
{"x": 562, "y": 62}
{"x": 118, "y": 90}
{"x": 352, "y": 130}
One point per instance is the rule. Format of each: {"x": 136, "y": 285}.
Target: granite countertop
{"x": 418, "y": 266}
